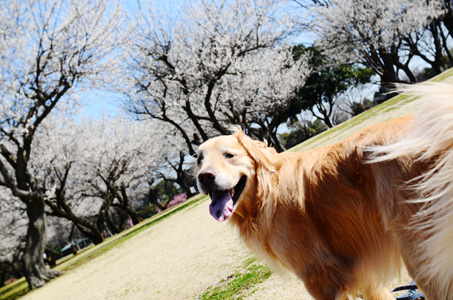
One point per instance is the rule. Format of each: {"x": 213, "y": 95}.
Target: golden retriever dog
{"x": 345, "y": 217}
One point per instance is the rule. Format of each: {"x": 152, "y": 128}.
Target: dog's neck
{"x": 251, "y": 219}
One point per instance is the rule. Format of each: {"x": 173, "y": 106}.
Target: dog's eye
{"x": 199, "y": 158}
{"x": 229, "y": 155}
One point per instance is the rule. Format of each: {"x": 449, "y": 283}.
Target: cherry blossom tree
{"x": 217, "y": 63}
{"x": 90, "y": 167}
{"x": 432, "y": 42}
{"x": 374, "y": 33}
{"x": 47, "y": 49}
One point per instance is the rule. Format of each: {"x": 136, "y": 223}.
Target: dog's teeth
{"x": 232, "y": 193}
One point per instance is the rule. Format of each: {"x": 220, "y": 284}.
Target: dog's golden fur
{"x": 344, "y": 217}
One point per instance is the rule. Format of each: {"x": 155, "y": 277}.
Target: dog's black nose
{"x": 206, "y": 177}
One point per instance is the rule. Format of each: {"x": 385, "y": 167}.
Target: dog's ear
{"x": 263, "y": 155}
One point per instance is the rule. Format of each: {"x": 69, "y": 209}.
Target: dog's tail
{"x": 430, "y": 138}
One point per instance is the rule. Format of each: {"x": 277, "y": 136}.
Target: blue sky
{"x": 100, "y": 102}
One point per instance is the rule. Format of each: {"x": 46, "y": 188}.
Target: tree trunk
{"x": 127, "y": 208}
{"x": 132, "y": 214}
{"x": 111, "y": 223}
{"x": 152, "y": 199}
{"x": 448, "y": 17}
{"x": 389, "y": 75}
{"x": 276, "y": 142}
{"x": 186, "y": 189}
{"x": 103, "y": 211}
{"x": 90, "y": 231}
{"x": 182, "y": 177}
{"x": 439, "y": 62}
{"x": 33, "y": 267}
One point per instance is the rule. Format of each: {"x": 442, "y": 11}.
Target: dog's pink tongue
{"x": 221, "y": 206}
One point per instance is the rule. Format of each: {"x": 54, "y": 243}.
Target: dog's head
{"x": 226, "y": 171}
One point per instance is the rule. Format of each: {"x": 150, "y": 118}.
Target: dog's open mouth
{"x": 223, "y": 201}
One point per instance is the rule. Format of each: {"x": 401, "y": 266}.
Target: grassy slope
{"x": 241, "y": 267}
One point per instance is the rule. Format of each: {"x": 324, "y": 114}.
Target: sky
{"x": 100, "y": 102}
